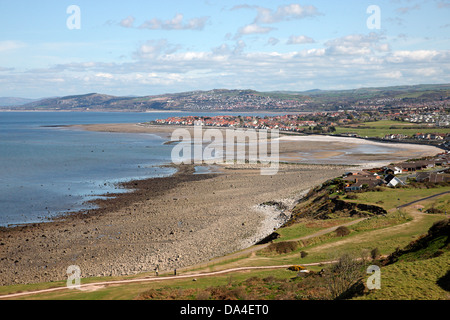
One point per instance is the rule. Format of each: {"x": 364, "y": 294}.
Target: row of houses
{"x": 417, "y": 136}
{"x": 368, "y": 180}
{"x": 387, "y": 175}
{"x": 439, "y": 160}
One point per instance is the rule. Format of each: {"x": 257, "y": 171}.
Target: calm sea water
{"x": 45, "y": 171}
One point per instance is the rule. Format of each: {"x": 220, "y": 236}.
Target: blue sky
{"x": 153, "y": 47}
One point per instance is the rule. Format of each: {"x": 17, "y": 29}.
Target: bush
{"x": 303, "y": 254}
{"x": 444, "y": 281}
{"x": 375, "y": 253}
{"x": 343, "y": 275}
{"x": 434, "y": 210}
{"x": 283, "y": 247}
{"x": 342, "y": 231}
{"x": 296, "y": 268}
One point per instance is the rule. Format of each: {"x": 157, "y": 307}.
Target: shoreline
{"x": 171, "y": 222}
{"x": 215, "y": 215}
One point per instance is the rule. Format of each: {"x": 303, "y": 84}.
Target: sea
{"x": 47, "y": 170}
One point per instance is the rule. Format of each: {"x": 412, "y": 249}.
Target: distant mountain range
{"x": 235, "y": 100}
{"x": 12, "y": 101}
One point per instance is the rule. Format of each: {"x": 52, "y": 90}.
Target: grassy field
{"x": 307, "y": 228}
{"x": 381, "y": 128}
{"x": 412, "y": 281}
{"x": 391, "y": 198}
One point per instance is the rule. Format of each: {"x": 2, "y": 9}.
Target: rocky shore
{"x": 169, "y": 222}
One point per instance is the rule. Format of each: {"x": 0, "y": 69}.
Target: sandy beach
{"x": 318, "y": 149}
{"x": 170, "y": 222}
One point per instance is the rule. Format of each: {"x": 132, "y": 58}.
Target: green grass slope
{"x": 420, "y": 271}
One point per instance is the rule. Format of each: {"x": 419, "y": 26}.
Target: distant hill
{"x": 14, "y": 101}
{"x": 243, "y": 100}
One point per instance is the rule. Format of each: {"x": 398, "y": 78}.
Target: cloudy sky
{"x": 137, "y": 47}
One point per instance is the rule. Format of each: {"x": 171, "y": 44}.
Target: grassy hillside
{"x": 419, "y": 271}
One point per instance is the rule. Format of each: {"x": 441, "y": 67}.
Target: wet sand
{"x": 304, "y": 149}
{"x": 170, "y": 222}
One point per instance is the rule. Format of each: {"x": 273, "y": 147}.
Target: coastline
{"x": 325, "y": 147}
{"x": 169, "y": 222}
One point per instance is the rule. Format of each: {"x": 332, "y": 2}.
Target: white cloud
{"x": 269, "y": 16}
{"x": 299, "y": 40}
{"x": 357, "y": 44}
{"x": 127, "y": 22}
{"x": 104, "y": 75}
{"x": 159, "y": 65}
{"x": 390, "y": 74}
{"x": 285, "y": 13}
{"x": 11, "y": 45}
{"x": 254, "y": 29}
{"x": 427, "y": 72}
{"x": 416, "y": 56}
{"x": 177, "y": 23}
{"x": 154, "y": 48}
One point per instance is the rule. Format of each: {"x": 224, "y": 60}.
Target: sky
{"x": 58, "y": 47}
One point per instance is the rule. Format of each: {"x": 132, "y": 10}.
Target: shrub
{"x": 283, "y": 247}
{"x": 343, "y": 275}
{"x": 342, "y": 231}
{"x": 434, "y": 210}
{"x": 303, "y": 254}
{"x": 296, "y": 268}
{"x": 375, "y": 253}
{"x": 444, "y": 281}
{"x": 203, "y": 295}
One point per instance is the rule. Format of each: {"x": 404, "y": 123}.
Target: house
{"x": 410, "y": 166}
{"x": 392, "y": 181}
{"x": 433, "y": 177}
{"x": 353, "y": 187}
{"x": 363, "y": 184}
{"x": 392, "y": 170}
{"x": 362, "y": 176}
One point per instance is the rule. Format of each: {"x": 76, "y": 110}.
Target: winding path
{"x": 89, "y": 286}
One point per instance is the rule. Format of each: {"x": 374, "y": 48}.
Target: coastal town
{"x": 419, "y": 125}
